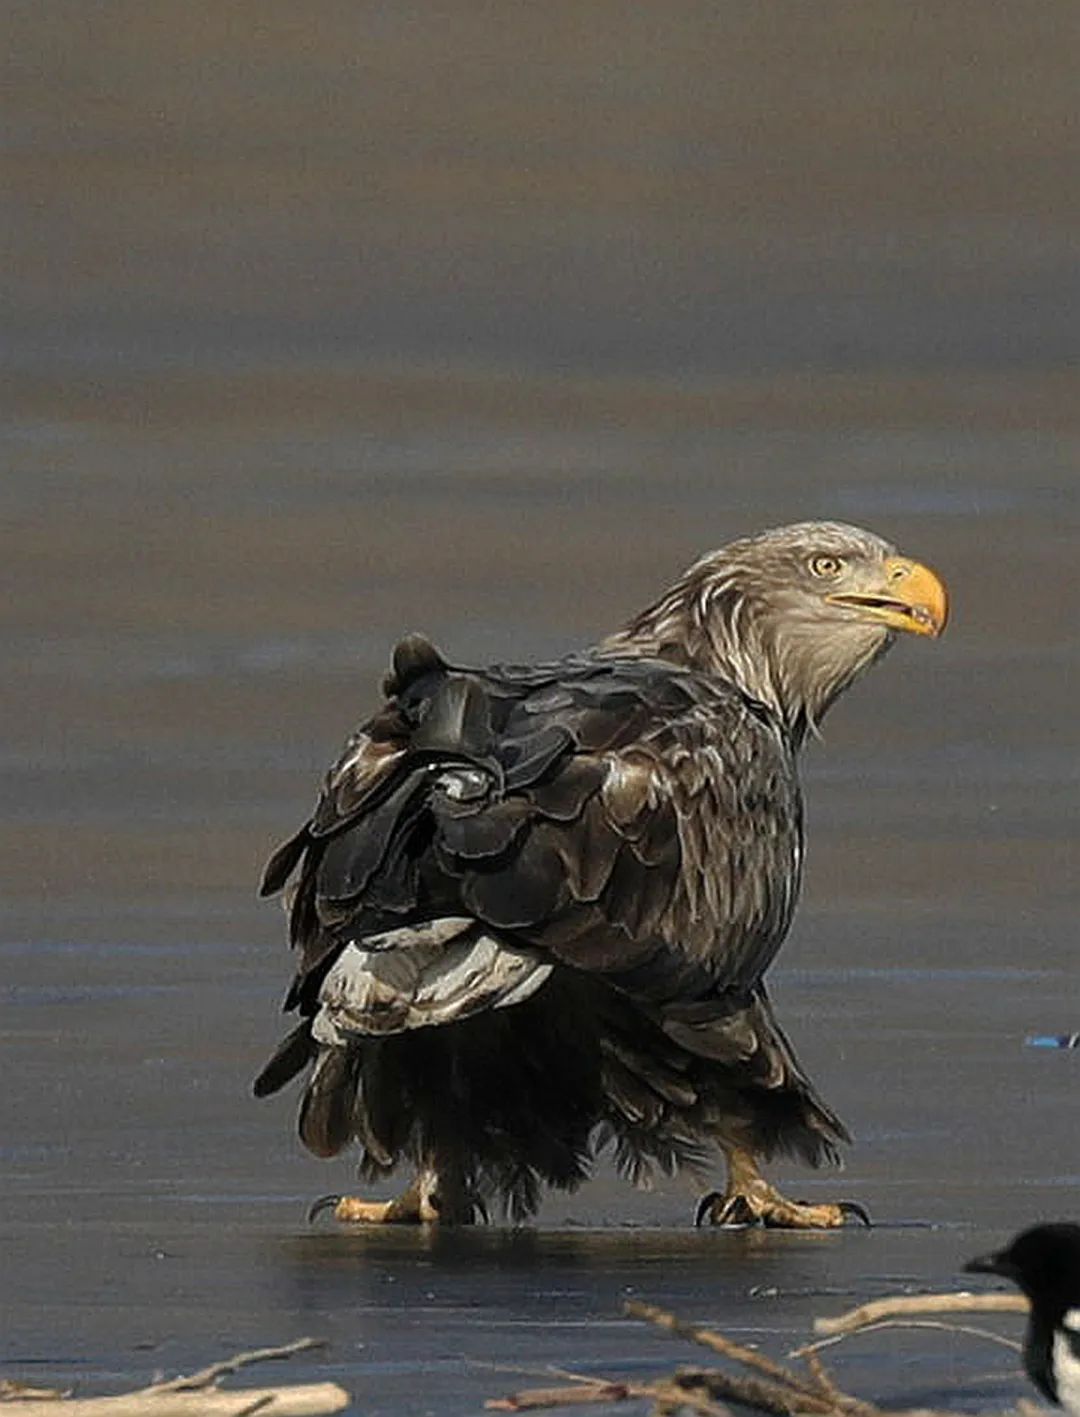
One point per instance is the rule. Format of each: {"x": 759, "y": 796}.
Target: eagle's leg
{"x": 438, "y": 1195}
{"x": 748, "y": 1199}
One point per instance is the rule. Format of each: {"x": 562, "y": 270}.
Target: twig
{"x": 10, "y": 1390}
{"x": 207, "y": 1376}
{"x": 568, "y": 1396}
{"x": 668, "y": 1393}
{"x": 901, "y": 1306}
{"x": 767, "y": 1396}
{"x": 709, "y": 1338}
{"x": 809, "y": 1350}
{"x": 682, "y": 1392}
{"x": 256, "y": 1406}
{"x": 826, "y": 1385}
{"x": 546, "y": 1370}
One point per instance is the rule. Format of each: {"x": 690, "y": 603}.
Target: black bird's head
{"x": 1043, "y": 1262}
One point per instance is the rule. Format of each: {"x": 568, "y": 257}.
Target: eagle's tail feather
{"x": 327, "y": 1112}
{"x": 291, "y": 1056}
{"x": 788, "y": 1117}
{"x": 752, "y": 1091}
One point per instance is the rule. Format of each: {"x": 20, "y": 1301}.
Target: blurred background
{"x": 325, "y": 323}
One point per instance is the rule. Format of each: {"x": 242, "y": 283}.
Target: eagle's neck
{"x": 708, "y": 623}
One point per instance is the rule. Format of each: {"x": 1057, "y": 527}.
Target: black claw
{"x": 317, "y": 1207}
{"x": 859, "y": 1212}
{"x": 705, "y": 1204}
{"x": 848, "y": 1208}
{"x": 735, "y": 1213}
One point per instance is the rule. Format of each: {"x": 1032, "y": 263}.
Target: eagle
{"x": 534, "y": 905}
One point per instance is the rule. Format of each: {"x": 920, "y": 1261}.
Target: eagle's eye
{"x": 827, "y": 567}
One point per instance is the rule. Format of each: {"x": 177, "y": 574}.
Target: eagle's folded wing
{"x": 623, "y": 817}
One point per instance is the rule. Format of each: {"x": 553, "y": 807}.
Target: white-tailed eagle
{"x": 535, "y": 904}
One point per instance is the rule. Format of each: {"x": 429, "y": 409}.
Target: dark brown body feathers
{"x": 634, "y": 827}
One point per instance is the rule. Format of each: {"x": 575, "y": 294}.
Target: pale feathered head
{"x": 792, "y": 616}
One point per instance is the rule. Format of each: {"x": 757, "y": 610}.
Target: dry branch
{"x": 826, "y": 1385}
{"x": 765, "y": 1385}
{"x": 10, "y": 1389}
{"x": 783, "y": 1399}
{"x": 194, "y": 1396}
{"x": 808, "y": 1351}
{"x": 667, "y": 1394}
{"x": 677, "y": 1394}
{"x": 295, "y": 1400}
{"x": 709, "y": 1338}
{"x": 906, "y": 1305}
{"x": 570, "y": 1396}
{"x": 205, "y": 1377}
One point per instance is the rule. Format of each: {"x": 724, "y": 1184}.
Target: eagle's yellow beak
{"x": 911, "y": 598}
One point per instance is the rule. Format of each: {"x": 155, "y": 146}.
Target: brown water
{"x": 328, "y": 326}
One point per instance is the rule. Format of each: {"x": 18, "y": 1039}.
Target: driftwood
{"x": 196, "y": 1395}
{"x": 763, "y": 1384}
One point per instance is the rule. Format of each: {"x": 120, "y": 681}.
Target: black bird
{"x": 535, "y": 904}
{"x": 1044, "y": 1262}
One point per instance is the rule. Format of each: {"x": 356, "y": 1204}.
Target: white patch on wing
{"x": 422, "y": 976}
{"x": 429, "y": 932}
{"x": 1066, "y": 1360}
{"x": 463, "y": 784}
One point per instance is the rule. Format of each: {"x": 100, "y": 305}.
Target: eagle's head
{"x": 792, "y": 615}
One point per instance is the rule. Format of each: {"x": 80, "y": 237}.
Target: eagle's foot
{"x": 403, "y": 1210}
{"x": 428, "y": 1201}
{"x": 748, "y": 1199}
{"x": 758, "y": 1203}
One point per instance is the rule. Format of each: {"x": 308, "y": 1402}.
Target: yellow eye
{"x": 828, "y": 567}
